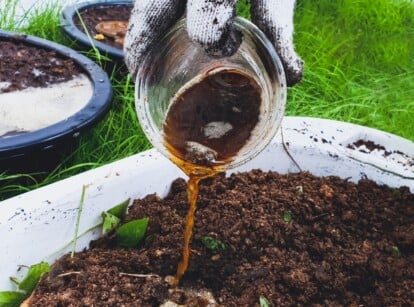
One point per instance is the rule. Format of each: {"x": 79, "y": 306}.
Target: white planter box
{"x": 37, "y": 224}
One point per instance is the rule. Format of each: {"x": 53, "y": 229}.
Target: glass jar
{"x": 176, "y": 64}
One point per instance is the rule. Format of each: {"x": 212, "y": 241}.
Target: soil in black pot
{"x": 289, "y": 239}
{"x": 36, "y": 91}
{"x": 24, "y": 66}
{"x": 36, "y": 87}
{"x": 98, "y": 16}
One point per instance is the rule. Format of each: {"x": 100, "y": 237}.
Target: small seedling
{"x": 25, "y": 287}
{"x": 33, "y": 276}
{"x": 112, "y": 218}
{"x": 287, "y": 216}
{"x": 131, "y": 233}
{"x": 213, "y": 244}
{"x": 120, "y": 210}
{"x": 264, "y": 302}
{"x": 109, "y": 222}
{"x": 396, "y": 251}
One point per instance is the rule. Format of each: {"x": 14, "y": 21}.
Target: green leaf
{"x": 213, "y": 244}
{"x": 131, "y": 233}
{"x": 33, "y": 276}
{"x": 110, "y": 221}
{"x": 396, "y": 251}
{"x": 287, "y": 216}
{"x": 11, "y": 298}
{"x": 264, "y": 302}
{"x": 119, "y": 210}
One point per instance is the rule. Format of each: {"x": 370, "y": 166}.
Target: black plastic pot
{"x": 43, "y": 148}
{"x": 82, "y": 41}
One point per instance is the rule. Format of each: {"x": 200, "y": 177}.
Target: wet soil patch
{"x": 370, "y": 145}
{"x": 24, "y": 66}
{"x": 367, "y": 147}
{"x": 92, "y": 16}
{"x": 293, "y": 239}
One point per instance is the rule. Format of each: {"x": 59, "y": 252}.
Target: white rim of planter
{"x": 36, "y": 225}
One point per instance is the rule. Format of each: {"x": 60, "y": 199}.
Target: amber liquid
{"x": 206, "y": 126}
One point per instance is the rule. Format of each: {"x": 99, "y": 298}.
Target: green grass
{"x": 359, "y": 68}
{"x": 359, "y": 60}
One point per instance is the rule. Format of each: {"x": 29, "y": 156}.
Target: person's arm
{"x": 275, "y": 19}
{"x": 149, "y": 20}
{"x": 209, "y": 23}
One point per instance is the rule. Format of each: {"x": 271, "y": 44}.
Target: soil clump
{"x": 293, "y": 239}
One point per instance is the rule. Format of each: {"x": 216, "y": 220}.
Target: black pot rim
{"x": 69, "y": 27}
{"x": 92, "y": 112}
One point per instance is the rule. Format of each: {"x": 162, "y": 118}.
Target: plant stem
{"x": 75, "y": 239}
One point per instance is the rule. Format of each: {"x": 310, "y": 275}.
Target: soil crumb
{"x": 295, "y": 240}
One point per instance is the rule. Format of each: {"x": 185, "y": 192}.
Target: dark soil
{"x": 370, "y": 145}
{"x": 366, "y": 146}
{"x": 294, "y": 239}
{"x": 26, "y": 66}
{"x": 96, "y": 14}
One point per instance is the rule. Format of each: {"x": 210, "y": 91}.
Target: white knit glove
{"x": 209, "y": 23}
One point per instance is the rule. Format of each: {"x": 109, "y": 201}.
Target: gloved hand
{"x": 209, "y": 23}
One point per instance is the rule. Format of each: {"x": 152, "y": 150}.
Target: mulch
{"x": 295, "y": 240}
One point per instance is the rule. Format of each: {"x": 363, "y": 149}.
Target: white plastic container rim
{"x": 36, "y": 225}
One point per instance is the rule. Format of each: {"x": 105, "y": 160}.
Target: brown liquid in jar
{"x": 209, "y": 122}
{"x": 206, "y": 126}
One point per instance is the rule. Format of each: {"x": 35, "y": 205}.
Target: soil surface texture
{"x": 293, "y": 240}
{"x": 92, "y": 16}
{"x": 24, "y": 66}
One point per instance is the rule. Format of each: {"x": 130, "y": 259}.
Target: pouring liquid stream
{"x": 207, "y": 124}
{"x": 192, "y": 192}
